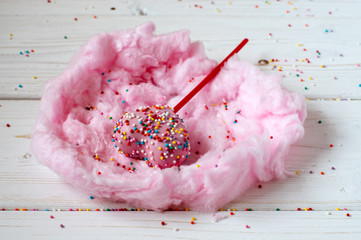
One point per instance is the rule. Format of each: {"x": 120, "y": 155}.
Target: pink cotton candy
{"x": 230, "y": 121}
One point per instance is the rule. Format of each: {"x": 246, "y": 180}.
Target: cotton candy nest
{"x": 240, "y": 126}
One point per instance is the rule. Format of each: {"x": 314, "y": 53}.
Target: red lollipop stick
{"x": 209, "y": 77}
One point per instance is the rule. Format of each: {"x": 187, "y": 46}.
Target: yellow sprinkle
{"x": 299, "y": 44}
{"x": 193, "y": 218}
{"x": 168, "y": 138}
{"x": 160, "y": 148}
{"x": 161, "y": 158}
{"x": 297, "y": 172}
{"x": 87, "y": 209}
{"x": 178, "y": 157}
{"x": 95, "y": 108}
{"x": 111, "y": 159}
{"x": 302, "y": 60}
{"x": 293, "y": 8}
{"x": 221, "y": 209}
{"x": 138, "y": 209}
{"x": 234, "y": 209}
{"x": 198, "y": 166}
{"x": 174, "y": 142}
{"x": 125, "y": 138}
{"x": 218, "y": 10}
{"x": 35, "y": 77}
{"x": 80, "y": 210}
{"x": 162, "y": 107}
{"x": 11, "y": 34}
{"x": 307, "y": 99}
{"x": 310, "y": 78}
{"x": 337, "y": 209}
{"x": 187, "y": 209}
{"x": 322, "y": 66}
{"x": 306, "y": 209}
{"x": 124, "y": 133}
{"x": 229, "y": 2}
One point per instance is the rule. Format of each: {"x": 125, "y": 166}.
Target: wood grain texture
{"x": 147, "y": 225}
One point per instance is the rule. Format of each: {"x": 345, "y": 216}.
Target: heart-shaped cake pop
{"x": 155, "y": 134}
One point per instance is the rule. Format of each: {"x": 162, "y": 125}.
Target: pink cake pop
{"x": 157, "y": 134}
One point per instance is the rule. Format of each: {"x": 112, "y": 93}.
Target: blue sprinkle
{"x": 156, "y": 131}
{"x": 180, "y": 147}
{"x": 140, "y": 122}
{"x": 187, "y": 156}
{"x": 145, "y": 158}
{"x": 102, "y": 74}
{"x": 142, "y": 142}
{"x": 21, "y": 53}
{"x": 149, "y": 131}
{"x": 113, "y": 140}
{"x": 27, "y": 51}
{"x": 359, "y": 85}
{"x": 91, "y": 197}
{"x": 326, "y": 30}
{"x": 134, "y": 128}
{"x": 109, "y": 80}
{"x": 234, "y": 121}
{"x": 185, "y": 145}
{"x": 20, "y": 86}
{"x": 166, "y": 144}
{"x": 115, "y": 145}
{"x": 150, "y": 137}
{"x": 123, "y": 101}
{"x": 138, "y": 143}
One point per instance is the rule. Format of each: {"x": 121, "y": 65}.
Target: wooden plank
{"x": 147, "y": 225}
{"x": 27, "y": 184}
{"x": 45, "y": 35}
{"x": 182, "y": 7}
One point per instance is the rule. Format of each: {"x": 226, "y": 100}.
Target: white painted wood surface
{"x": 334, "y": 93}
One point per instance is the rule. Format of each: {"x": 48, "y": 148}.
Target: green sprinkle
{"x": 319, "y": 122}
{"x": 277, "y": 209}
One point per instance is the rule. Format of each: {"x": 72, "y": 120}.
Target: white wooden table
{"x": 306, "y": 206}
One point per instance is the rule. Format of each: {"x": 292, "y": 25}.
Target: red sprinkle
{"x": 192, "y": 222}
{"x": 231, "y": 213}
{"x": 163, "y": 223}
{"x": 331, "y": 145}
{"x": 8, "y": 125}
{"x": 348, "y": 215}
